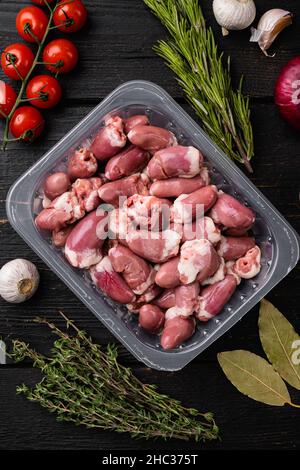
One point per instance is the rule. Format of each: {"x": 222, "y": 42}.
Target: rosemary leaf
{"x": 88, "y": 386}
{"x": 192, "y": 55}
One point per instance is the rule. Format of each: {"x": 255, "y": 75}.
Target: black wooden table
{"x": 116, "y": 46}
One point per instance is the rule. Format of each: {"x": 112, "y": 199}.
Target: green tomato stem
{"x": 10, "y": 58}
{"x": 28, "y": 31}
{"x": 46, "y": 3}
{"x": 67, "y": 23}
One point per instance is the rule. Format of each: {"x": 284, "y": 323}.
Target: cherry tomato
{"x": 46, "y": 88}
{"x": 71, "y": 16}
{"x": 8, "y": 98}
{"x": 31, "y": 23}
{"x": 41, "y": 2}
{"x": 27, "y": 122}
{"x": 16, "y": 61}
{"x": 60, "y": 56}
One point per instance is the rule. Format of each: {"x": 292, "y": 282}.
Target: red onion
{"x": 287, "y": 92}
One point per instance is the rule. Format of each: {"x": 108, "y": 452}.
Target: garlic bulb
{"x": 19, "y": 279}
{"x": 269, "y": 26}
{"x": 234, "y": 14}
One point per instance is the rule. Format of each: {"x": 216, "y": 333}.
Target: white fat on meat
{"x": 90, "y": 165}
{"x": 193, "y": 156}
{"x": 230, "y": 270}
{"x": 104, "y": 266}
{"x": 177, "y": 312}
{"x": 218, "y": 276}
{"x": 89, "y": 202}
{"x": 202, "y": 313}
{"x": 113, "y": 136}
{"x": 172, "y": 241}
{"x": 64, "y": 202}
{"x": 145, "y": 285}
{"x": 223, "y": 246}
{"x": 118, "y": 223}
{"x": 83, "y": 259}
{"x": 205, "y": 176}
{"x": 190, "y": 258}
{"x": 68, "y": 203}
{"x": 182, "y": 213}
{"x": 133, "y": 308}
{"x": 213, "y": 233}
{"x": 46, "y": 202}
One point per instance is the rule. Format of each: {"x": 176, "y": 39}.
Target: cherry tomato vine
{"x": 26, "y": 122}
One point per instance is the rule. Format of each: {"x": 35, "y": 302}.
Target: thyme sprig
{"x": 86, "y": 385}
{"x": 192, "y": 54}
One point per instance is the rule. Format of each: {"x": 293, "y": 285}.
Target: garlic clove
{"x": 234, "y": 14}
{"x": 269, "y": 27}
{"x": 19, "y": 279}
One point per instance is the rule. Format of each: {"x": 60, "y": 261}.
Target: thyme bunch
{"x": 192, "y": 55}
{"x": 88, "y": 386}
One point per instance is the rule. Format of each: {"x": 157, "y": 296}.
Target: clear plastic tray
{"x": 278, "y": 241}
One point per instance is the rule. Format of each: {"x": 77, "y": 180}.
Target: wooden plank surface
{"x": 116, "y": 47}
{"x": 243, "y": 423}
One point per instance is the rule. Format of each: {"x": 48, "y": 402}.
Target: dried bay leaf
{"x": 254, "y": 376}
{"x": 277, "y": 337}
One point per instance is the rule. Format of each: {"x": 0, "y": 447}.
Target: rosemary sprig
{"x": 192, "y": 55}
{"x": 86, "y": 385}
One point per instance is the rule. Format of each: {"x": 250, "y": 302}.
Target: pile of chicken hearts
{"x": 138, "y": 211}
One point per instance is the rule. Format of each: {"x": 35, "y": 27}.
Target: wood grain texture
{"x": 243, "y": 422}
{"x": 115, "y": 47}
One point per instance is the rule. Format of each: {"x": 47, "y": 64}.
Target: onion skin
{"x": 287, "y": 92}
